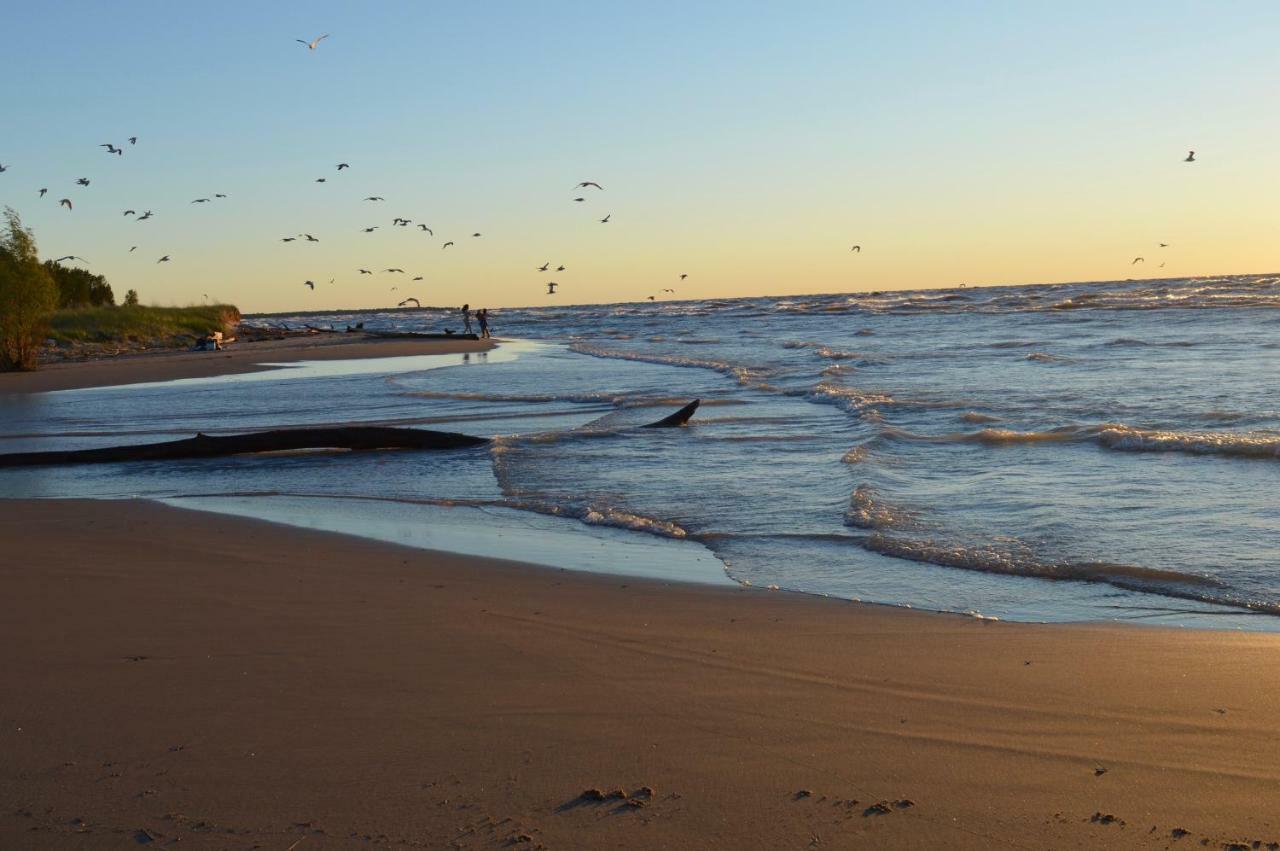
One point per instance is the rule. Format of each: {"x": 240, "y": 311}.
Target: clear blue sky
{"x": 745, "y": 144}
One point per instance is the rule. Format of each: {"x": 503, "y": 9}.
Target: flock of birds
{"x": 396, "y": 222}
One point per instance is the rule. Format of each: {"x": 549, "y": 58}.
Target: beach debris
{"x": 803, "y": 793}
{"x": 1098, "y": 772}
{"x": 879, "y": 808}
{"x": 1105, "y": 818}
{"x": 142, "y": 836}
{"x": 592, "y": 794}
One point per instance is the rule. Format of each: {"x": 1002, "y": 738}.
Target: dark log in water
{"x": 278, "y": 440}
{"x": 677, "y": 419}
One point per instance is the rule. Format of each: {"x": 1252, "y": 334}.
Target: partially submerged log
{"x": 279, "y": 440}
{"x": 677, "y": 419}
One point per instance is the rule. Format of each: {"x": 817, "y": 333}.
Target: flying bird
{"x": 551, "y": 287}
{"x": 164, "y": 259}
{"x": 42, "y": 191}
{"x": 399, "y": 221}
{"x": 668, "y": 290}
{"x": 651, "y": 298}
{"x": 311, "y": 284}
{"x": 133, "y": 249}
{"x": 544, "y": 267}
{"x": 1191, "y": 157}
{"x": 419, "y": 278}
{"x": 320, "y": 180}
{"x": 288, "y": 238}
{"x": 401, "y": 271}
{"x": 1138, "y": 260}
{"x": 144, "y": 216}
{"x": 416, "y": 303}
{"x": 475, "y": 234}
{"x": 111, "y": 149}
{"x": 371, "y": 230}
{"x": 375, "y": 198}
{"x": 133, "y": 140}
{"x": 446, "y": 245}
{"x": 365, "y": 272}
{"x": 683, "y": 276}
{"x": 83, "y": 181}
{"x": 579, "y": 199}
{"x": 66, "y": 202}
{"x": 1164, "y": 245}
{"x": 129, "y": 213}
{"x": 341, "y": 166}
{"x": 857, "y": 248}
{"x": 202, "y": 201}
{"x": 311, "y": 45}
{"x": 427, "y": 229}
{"x": 71, "y": 257}
{"x": 560, "y": 268}
{"x": 3, "y": 167}
{"x": 605, "y": 220}
{"x": 219, "y": 195}
{"x": 310, "y": 238}
{"x": 587, "y": 183}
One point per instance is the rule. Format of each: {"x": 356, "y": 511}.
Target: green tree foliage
{"x": 78, "y": 287}
{"x": 131, "y": 298}
{"x": 28, "y": 295}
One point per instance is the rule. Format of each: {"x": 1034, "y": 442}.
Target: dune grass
{"x": 136, "y": 323}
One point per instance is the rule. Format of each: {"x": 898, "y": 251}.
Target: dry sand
{"x": 235, "y": 684}
{"x": 239, "y": 357}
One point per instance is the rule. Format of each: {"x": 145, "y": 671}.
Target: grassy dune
{"x": 138, "y": 324}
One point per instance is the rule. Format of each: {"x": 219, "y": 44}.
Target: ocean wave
{"x": 1231, "y": 444}
{"x": 868, "y": 511}
{"x": 744, "y": 375}
{"x": 975, "y": 417}
{"x": 1045, "y": 357}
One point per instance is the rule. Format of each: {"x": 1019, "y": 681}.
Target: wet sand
{"x": 173, "y": 675}
{"x": 239, "y": 357}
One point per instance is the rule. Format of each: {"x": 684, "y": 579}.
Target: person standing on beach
{"x": 466, "y": 319}
{"x": 483, "y": 316}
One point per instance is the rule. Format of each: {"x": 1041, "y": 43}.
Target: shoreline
{"x": 275, "y": 683}
{"x": 237, "y": 359}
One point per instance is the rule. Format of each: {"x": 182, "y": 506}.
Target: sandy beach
{"x": 236, "y": 358}
{"x": 236, "y": 684}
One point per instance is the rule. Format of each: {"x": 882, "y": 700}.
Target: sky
{"x": 747, "y": 145}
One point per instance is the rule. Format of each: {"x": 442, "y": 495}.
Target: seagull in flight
{"x": 427, "y": 229}
{"x": 1191, "y": 157}
{"x": 584, "y": 184}
{"x": 544, "y": 267}
{"x": 288, "y": 238}
{"x": 320, "y": 180}
{"x": 312, "y": 45}
{"x": 551, "y": 287}
{"x": 219, "y": 195}
{"x": 111, "y": 149}
{"x": 341, "y": 166}
{"x": 83, "y": 181}
{"x": 144, "y": 216}
{"x": 311, "y": 284}
{"x": 446, "y": 245}
{"x": 310, "y": 238}
{"x": 1164, "y": 245}
{"x": 375, "y": 198}
{"x": 202, "y": 201}
{"x": 560, "y": 268}
{"x": 652, "y": 298}
{"x": 66, "y": 202}
{"x": 416, "y": 303}
{"x": 401, "y": 271}
{"x": 133, "y": 249}
{"x": 42, "y": 191}
{"x": 605, "y": 220}
{"x": 71, "y": 257}
{"x": 1138, "y": 260}
{"x": 365, "y": 272}
{"x": 164, "y": 259}
{"x": 668, "y": 291}
{"x": 3, "y": 167}
{"x": 683, "y": 276}
{"x": 133, "y": 140}
{"x": 857, "y": 248}
{"x": 579, "y": 199}
{"x": 475, "y": 234}
{"x": 418, "y": 278}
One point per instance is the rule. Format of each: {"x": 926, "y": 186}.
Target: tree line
{"x": 30, "y": 291}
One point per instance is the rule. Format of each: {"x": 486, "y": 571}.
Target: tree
{"x": 28, "y": 295}
{"x": 131, "y": 298}
{"x": 78, "y": 287}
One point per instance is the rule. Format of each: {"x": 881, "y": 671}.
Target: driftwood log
{"x": 278, "y": 440}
